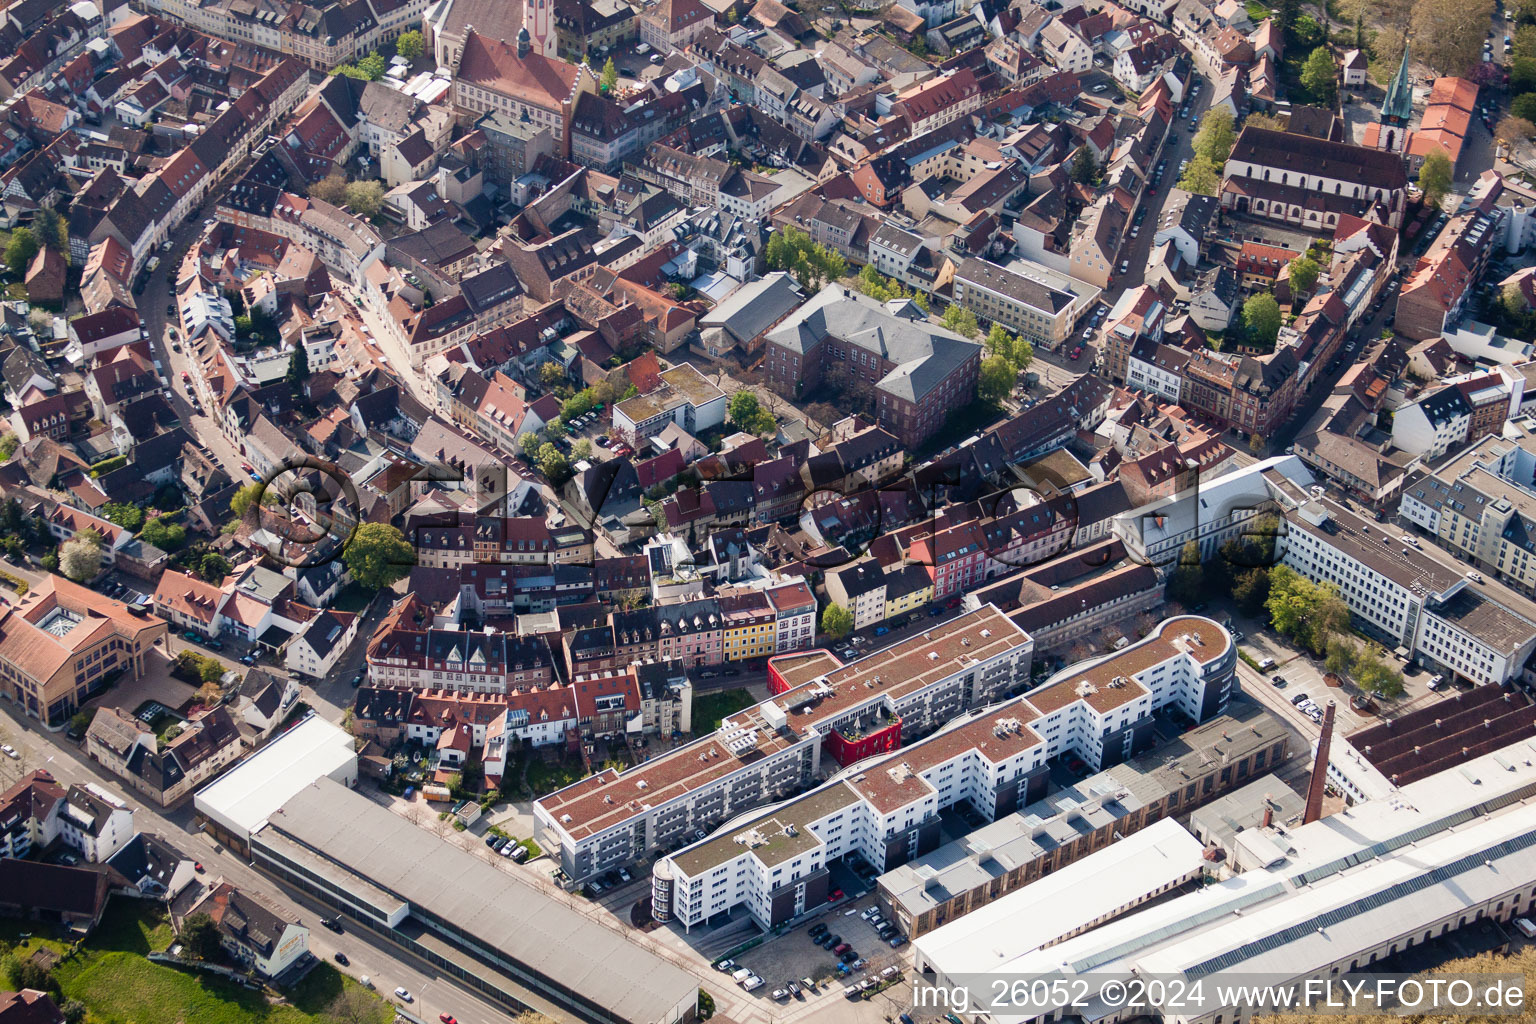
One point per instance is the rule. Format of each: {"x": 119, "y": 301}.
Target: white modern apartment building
{"x": 1415, "y": 597}
{"x": 996, "y": 759}
{"x": 1213, "y": 512}
{"x": 775, "y": 749}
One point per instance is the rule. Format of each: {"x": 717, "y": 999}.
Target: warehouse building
{"x": 1340, "y": 894}
{"x": 238, "y": 803}
{"x": 1078, "y": 820}
{"x": 1153, "y": 862}
{"x": 472, "y": 920}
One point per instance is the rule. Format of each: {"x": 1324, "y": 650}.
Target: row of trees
{"x": 364, "y": 198}
{"x": 812, "y": 264}
{"x": 1008, "y": 355}
{"x": 1447, "y": 34}
{"x": 411, "y": 45}
{"x": 1312, "y": 615}
{"x": 1212, "y": 145}
{"x": 883, "y": 289}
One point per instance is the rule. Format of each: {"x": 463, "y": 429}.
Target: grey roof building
{"x": 474, "y": 920}
{"x": 754, "y": 308}
{"x": 921, "y": 372}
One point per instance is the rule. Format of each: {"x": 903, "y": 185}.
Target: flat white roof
{"x": 246, "y": 795}
{"x": 993, "y": 938}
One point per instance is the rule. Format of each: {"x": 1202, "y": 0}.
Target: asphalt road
{"x": 386, "y": 967}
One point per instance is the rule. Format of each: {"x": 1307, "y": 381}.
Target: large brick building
{"x": 918, "y": 373}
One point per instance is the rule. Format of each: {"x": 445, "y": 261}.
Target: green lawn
{"x": 710, "y": 708}
{"x": 119, "y": 986}
{"x": 545, "y": 778}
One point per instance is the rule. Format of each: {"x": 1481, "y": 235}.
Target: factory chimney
{"x": 1320, "y": 768}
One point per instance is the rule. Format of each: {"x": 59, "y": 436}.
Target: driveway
{"x": 155, "y": 684}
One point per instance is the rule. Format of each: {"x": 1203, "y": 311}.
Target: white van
{"x": 365, "y": 981}
{"x": 740, "y": 975}
{"x": 1526, "y": 927}
{"x": 1265, "y": 664}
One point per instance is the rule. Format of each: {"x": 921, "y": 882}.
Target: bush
{"x": 106, "y": 466}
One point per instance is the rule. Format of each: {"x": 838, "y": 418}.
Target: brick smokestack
{"x": 1269, "y": 813}
{"x": 1320, "y": 768}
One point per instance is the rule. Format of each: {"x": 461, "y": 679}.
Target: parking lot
{"x": 805, "y": 954}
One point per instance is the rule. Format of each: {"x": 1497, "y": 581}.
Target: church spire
{"x": 1397, "y": 107}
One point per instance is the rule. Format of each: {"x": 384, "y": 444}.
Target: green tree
{"x": 9, "y": 442}
{"x": 1374, "y": 675}
{"x": 28, "y": 973}
{"x": 961, "y": 320}
{"x": 999, "y": 343}
{"x": 553, "y": 464}
{"x": 164, "y": 534}
{"x": 1261, "y": 318}
{"x": 1023, "y": 354}
{"x": 1304, "y": 272}
{"x": 1216, "y": 135}
{"x": 373, "y": 66}
{"x": 298, "y": 365}
{"x": 365, "y": 197}
{"x": 812, "y": 264}
{"x": 1311, "y": 613}
{"x": 19, "y": 252}
{"x": 411, "y": 45}
{"x": 1250, "y": 589}
{"x": 1259, "y": 119}
{"x": 240, "y": 502}
{"x": 330, "y": 189}
{"x": 528, "y": 445}
{"x": 1201, "y": 177}
{"x": 1186, "y": 582}
{"x": 200, "y": 937}
{"x": 210, "y": 670}
{"x": 128, "y": 516}
{"x": 213, "y": 567}
{"x": 1340, "y": 656}
{"x": 610, "y": 76}
{"x": 747, "y": 413}
{"x": 52, "y": 230}
{"x": 1288, "y": 12}
{"x": 1435, "y": 176}
{"x": 1085, "y": 169}
{"x": 377, "y": 555}
{"x": 1522, "y": 77}
{"x": 836, "y": 621}
{"x": 73, "y": 1011}
{"x": 581, "y": 449}
{"x": 996, "y": 378}
{"x": 1522, "y": 106}
{"x": 1318, "y": 77}
{"x": 551, "y": 374}
{"x": 1256, "y": 444}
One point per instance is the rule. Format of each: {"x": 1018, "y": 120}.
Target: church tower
{"x": 539, "y": 20}
{"x": 1396, "y": 110}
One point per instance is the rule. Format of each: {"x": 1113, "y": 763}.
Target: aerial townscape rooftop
{"x": 643, "y": 511}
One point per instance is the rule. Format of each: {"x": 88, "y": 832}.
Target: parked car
{"x": 341, "y": 958}
{"x": 404, "y": 995}
{"x": 1299, "y": 699}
